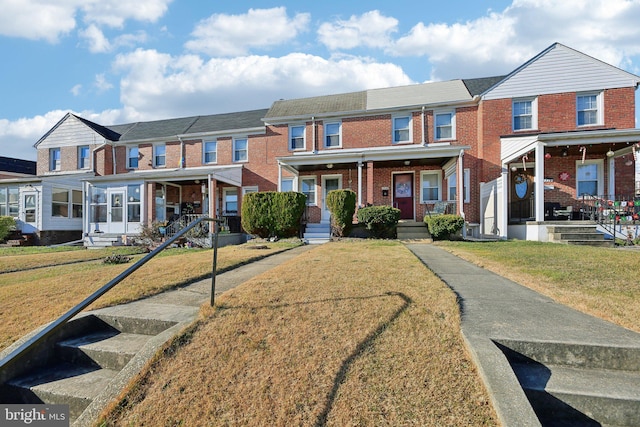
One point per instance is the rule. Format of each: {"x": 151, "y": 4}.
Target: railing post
{"x": 215, "y": 262}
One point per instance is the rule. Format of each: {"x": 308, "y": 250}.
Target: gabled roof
{"x": 102, "y": 130}
{"x": 479, "y": 86}
{"x": 560, "y": 69}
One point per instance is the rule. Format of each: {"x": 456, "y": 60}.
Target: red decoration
{"x": 564, "y": 176}
{"x": 547, "y": 156}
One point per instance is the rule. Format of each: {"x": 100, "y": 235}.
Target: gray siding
{"x": 561, "y": 70}
{"x": 71, "y": 132}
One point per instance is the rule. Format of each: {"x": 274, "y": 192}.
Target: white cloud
{"x": 76, "y": 90}
{"x": 159, "y": 85}
{"x": 101, "y": 83}
{"x": 370, "y": 29}
{"x": 498, "y": 42}
{"x": 51, "y": 20}
{"x": 96, "y": 39}
{"x": 228, "y": 35}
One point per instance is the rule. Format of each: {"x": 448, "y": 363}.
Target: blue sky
{"x": 117, "y": 62}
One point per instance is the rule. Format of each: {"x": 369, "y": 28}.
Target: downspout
{"x": 181, "y": 161}
{"x": 423, "y": 141}
{"x": 113, "y": 156}
{"x": 359, "y": 183}
{"x": 313, "y": 135}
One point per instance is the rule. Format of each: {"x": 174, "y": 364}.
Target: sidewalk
{"x": 498, "y": 312}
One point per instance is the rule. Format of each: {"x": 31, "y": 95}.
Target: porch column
{"x": 503, "y": 202}
{"x": 213, "y": 198}
{"x": 611, "y": 181}
{"x": 370, "y": 182}
{"x": 460, "y": 184}
{"x": 539, "y": 182}
{"x": 359, "y": 184}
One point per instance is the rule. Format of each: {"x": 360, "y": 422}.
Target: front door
{"x": 29, "y": 211}
{"x": 329, "y": 183}
{"x": 403, "y": 194}
{"x": 115, "y": 211}
{"x": 521, "y": 206}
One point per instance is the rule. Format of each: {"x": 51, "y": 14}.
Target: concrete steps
{"x": 412, "y": 230}
{"x": 577, "y": 235}
{"x": 317, "y": 233}
{"x": 82, "y": 361}
{"x": 102, "y": 240}
{"x": 576, "y": 384}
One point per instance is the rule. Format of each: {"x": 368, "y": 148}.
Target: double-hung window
{"x": 445, "y": 125}
{"x": 210, "y": 152}
{"x": 524, "y": 114}
{"x": 240, "y": 150}
{"x": 10, "y": 201}
{"x": 83, "y": 157}
{"x": 132, "y": 158}
{"x": 452, "y": 184}
{"x": 588, "y": 111}
{"x": 401, "y": 129}
{"x": 431, "y": 186}
{"x": 286, "y": 184}
{"x": 333, "y": 135}
{"x": 296, "y": 137}
{"x": 54, "y": 159}
{"x": 589, "y": 178}
{"x": 159, "y": 155}
{"x": 308, "y": 188}
{"x": 66, "y": 203}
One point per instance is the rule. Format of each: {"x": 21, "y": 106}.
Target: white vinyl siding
{"x": 561, "y": 70}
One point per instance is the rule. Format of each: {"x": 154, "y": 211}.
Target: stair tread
{"x": 66, "y": 379}
{"x": 624, "y": 385}
{"x": 123, "y": 342}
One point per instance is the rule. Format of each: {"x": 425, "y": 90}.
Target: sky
{"x": 114, "y": 61}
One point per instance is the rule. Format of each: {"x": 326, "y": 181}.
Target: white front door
{"x": 29, "y": 210}
{"x": 329, "y": 183}
{"x": 116, "y": 211}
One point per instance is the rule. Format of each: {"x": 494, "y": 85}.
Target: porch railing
{"x": 443, "y": 207}
{"x": 611, "y": 212}
{"x": 226, "y": 223}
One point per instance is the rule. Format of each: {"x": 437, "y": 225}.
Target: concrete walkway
{"x": 498, "y": 311}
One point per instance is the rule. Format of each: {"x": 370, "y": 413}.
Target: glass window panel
{"x": 133, "y": 212}
{"x": 240, "y": 150}
{"x": 287, "y": 184}
{"x": 133, "y": 193}
{"x": 332, "y": 134}
{"x": 160, "y": 155}
{"x": 60, "y": 195}
{"x": 133, "y": 158}
{"x": 211, "y": 152}
{"x": 296, "y": 137}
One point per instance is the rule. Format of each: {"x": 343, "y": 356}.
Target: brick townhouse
{"x": 554, "y": 139}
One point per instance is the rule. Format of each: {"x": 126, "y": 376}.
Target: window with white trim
{"x": 159, "y": 155}
{"x": 132, "y": 157}
{"x": 10, "y": 201}
{"x": 333, "y": 135}
{"x": 210, "y": 152}
{"x": 402, "y": 129}
{"x": 430, "y": 186}
{"x": 588, "y": 110}
{"x": 589, "y": 178}
{"x": 445, "y": 125}
{"x": 249, "y": 189}
{"x": 83, "y": 157}
{"x": 66, "y": 203}
{"x": 525, "y": 114}
{"x": 133, "y": 203}
{"x": 240, "y": 150}
{"x": 286, "y": 184}
{"x": 54, "y": 159}
{"x": 297, "y": 137}
{"x": 230, "y": 200}
{"x": 452, "y": 184}
{"x": 308, "y": 188}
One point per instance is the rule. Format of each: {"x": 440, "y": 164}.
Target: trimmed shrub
{"x": 381, "y": 221}
{"x": 342, "y": 205}
{"x": 273, "y": 214}
{"x": 442, "y": 227}
{"x": 7, "y": 225}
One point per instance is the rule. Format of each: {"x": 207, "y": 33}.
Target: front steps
{"x": 412, "y": 230}
{"x": 578, "y": 384}
{"x": 91, "y": 359}
{"x": 102, "y": 240}
{"x": 577, "y": 234}
{"x": 317, "y": 233}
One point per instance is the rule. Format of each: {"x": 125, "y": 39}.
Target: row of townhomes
{"x": 554, "y": 139}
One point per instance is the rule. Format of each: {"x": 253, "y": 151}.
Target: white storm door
{"x": 329, "y": 183}
{"x": 115, "y": 211}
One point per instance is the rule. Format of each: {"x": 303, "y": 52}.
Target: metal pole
{"x": 215, "y": 262}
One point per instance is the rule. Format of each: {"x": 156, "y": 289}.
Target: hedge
{"x": 273, "y": 214}
{"x": 442, "y": 227}
{"x": 7, "y": 225}
{"x": 342, "y": 205}
{"x": 381, "y": 221}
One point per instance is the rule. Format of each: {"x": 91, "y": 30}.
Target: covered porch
{"x": 586, "y": 176}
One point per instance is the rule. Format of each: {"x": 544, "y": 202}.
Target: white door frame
{"x": 23, "y": 209}
{"x": 326, "y": 215}
{"x": 116, "y": 210}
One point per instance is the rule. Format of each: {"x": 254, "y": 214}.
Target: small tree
{"x": 7, "y": 225}
{"x": 381, "y": 221}
{"x": 342, "y": 205}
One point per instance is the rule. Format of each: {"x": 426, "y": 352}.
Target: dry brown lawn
{"x": 350, "y": 333}
{"x": 32, "y": 298}
{"x": 602, "y": 282}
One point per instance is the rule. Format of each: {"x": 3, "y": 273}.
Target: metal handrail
{"x": 62, "y": 320}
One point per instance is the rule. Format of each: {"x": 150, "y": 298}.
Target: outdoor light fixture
{"x": 514, "y": 168}
{"x": 610, "y": 153}
{"x": 329, "y": 165}
{"x": 407, "y": 162}
{"x": 565, "y": 152}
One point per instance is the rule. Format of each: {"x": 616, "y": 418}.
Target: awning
{"x": 229, "y": 174}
